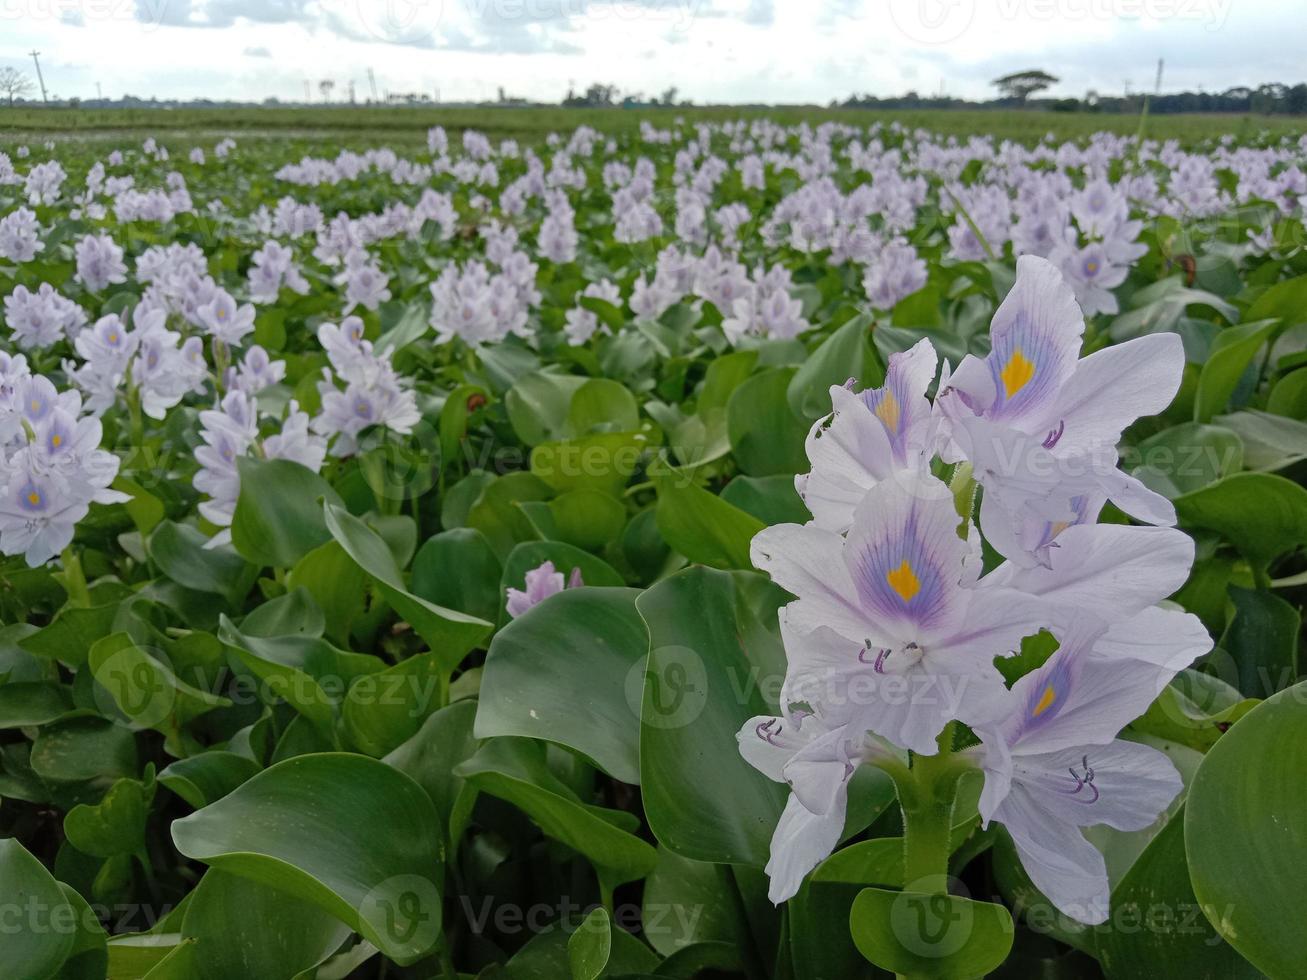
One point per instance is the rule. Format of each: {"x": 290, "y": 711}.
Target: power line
{"x": 36, "y": 55}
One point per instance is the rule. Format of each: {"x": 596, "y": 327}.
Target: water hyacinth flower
{"x": 541, "y": 582}
{"x": 869, "y": 436}
{"x": 43, "y": 318}
{"x": 20, "y": 236}
{"x": 53, "y": 468}
{"x": 99, "y": 262}
{"x": 1054, "y": 765}
{"x": 1040, "y": 425}
{"x": 904, "y": 593}
{"x": 224, "y": 319}
{"x": 815, "y": 752}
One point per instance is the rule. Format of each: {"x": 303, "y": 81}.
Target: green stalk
{"x": 926, "y": 796}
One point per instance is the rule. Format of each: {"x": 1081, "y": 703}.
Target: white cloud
{"x": 787, "y": 51}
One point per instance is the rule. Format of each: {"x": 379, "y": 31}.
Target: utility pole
{"x": 99, "y": 92}
{"x": 36, "y": 60}
{"x": 372, "y": 81}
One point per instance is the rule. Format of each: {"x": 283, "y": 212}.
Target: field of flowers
{"x": 711, "y": 549}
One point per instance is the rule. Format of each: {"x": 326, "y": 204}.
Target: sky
{"x": 712, "y": 51}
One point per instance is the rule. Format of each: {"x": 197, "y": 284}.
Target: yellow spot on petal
{"x": 1017, "y": 373}
{"x": 888, "y": 411}
{"x": 903, "y": 580}
{"x": 56, "y": 440}
{"x": 1046, "y": 701}
{"x": 34, "y": 498}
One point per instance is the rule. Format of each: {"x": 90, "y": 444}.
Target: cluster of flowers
{"x": 53, "y": 466}
{"x": 895, "y": 631}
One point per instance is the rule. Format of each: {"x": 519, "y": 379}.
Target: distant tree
{"x": 1296, "y": 99}
{"x": 669, "y": 96}
{"x": 14, "y": 84}
{"x": 325, "y": 86}
{"x": 1022, "y": 85}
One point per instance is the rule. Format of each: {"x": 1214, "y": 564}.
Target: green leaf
{"x": 1230, "y": 356}
{"x": 448, "y": 633}
{"x": 702, "y": 799}
{"x": 547, "y": 406}
{"x": 32, "y": 703}
{"x": 1249, "y": 882}
{"x": 497, "y": 512}
{"x": 1262, "y": 641}
{"x": 307, "y": 827}
{"x": 143, "y": 687}
{"x": 1289, "y": 395}
{"x": 208, "y": 777}
{"x": 514, "y": 769}
{"x": 1260, "y": 514}
{"x": 1271, "y": 442}
{"x": 278, "y": 517}
{"x": 295, "y": 668}
{"x": 590, "y": 946}
{"x": 771, "y": 499}
{"x": 243, "y": 928}
{"x": 846, "y": 353}
{"x": 39, "y": 939}
{"x": 385, "y": 709}
{"x": 603, "y": 461}
{"x": 767, "y": 437}
{"x": 701, "y": 526}
{"x": 588, "y": 519}
{"x": 458, "y": 569}
{"x": 181, "y": 554}
{"x": 1185, "y": 458}
{"x": 687, "y": 903}
{"x": 939, "y": 936}
{"x": 84, "y": 748}
{"x": 88, "y": 959}
{"x": 429, "y": 757}
{"x": 1157, "y": 928}
{"x": 1285, "y": 300}
{"x": 115, "y": 825}
{"x": 568, "y": 671}
{"x": 336, "y": 583}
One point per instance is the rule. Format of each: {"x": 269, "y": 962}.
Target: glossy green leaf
{"x": 307, "y": 827}
{"x": 458, "y": 569}
{"x": 449, "y": 634}
{"x": 514, "y": 769}
{"x": 846, "y": 353}
{"x": 41, "y": 936}
{"x": 940, "y": 936}
{"x": 589, "y": 947}
{"x": 1233, "y": 351}
{"x": 207, "y": 777}
{"x": 1248, "y": 882}
{"x": 702, "y": 800}
{"x": 181, "y": 553}
{"x": 702, "y": 526}
{"x": 278, "y": 517}
{"x": 241, "y": 927}
{"x": 1261, "y": 514}
{"x": 767, "y": 437}
{"x": 1157, "y": 927}
{"x": 563, "y": 672}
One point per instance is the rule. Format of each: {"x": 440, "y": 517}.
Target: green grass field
{"x": 403, "y": 124}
